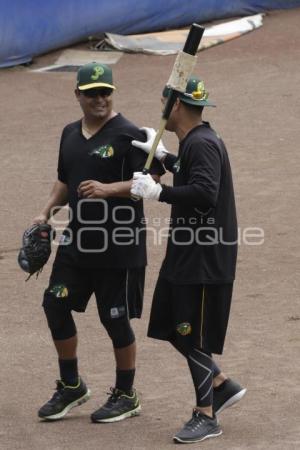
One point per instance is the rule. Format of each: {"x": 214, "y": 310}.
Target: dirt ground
{"x": 255, "y": 82}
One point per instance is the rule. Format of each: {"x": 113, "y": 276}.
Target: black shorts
{"x": 118, "y": 292}
{"x": 201, "y": 310}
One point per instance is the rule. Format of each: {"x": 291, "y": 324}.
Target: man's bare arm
{"x": 95, "y": 189}
{"x": 58, "y": 198}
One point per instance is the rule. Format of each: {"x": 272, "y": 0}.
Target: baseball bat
{"x": 190, "y": 47}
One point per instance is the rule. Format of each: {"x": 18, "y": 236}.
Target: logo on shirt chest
{"x": 176, "y": 166}
{"x": 105, "y": 151}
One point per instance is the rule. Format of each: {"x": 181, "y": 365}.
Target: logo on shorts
{"x": 60, "y": 291}
{"x": 117, "y": 312}
{"x": 184, "y": 328}
{"x": 105, "y": 151}
{"x": 176, "y": 166}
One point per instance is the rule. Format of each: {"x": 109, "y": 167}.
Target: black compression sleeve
{"x": 200, "y": 187}
{"x": 169, "y": 162}
{"x": 192, "y": 195}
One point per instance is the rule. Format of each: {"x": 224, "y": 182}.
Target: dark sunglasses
{"x": 94, "y": 92}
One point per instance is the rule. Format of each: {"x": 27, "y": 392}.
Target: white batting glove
{"x": 144, "y": 186}
{"x": 137, "y": 175}
{"x": 160, "y": 151}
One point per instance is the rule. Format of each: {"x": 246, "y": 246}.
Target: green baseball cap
{"x": 94, "y": 75}
{"x": 195, "y": 93}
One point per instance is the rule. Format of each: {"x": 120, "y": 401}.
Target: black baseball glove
{"x": 36, "y": 248}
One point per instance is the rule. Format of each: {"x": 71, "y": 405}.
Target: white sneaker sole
{"x": 134, "y": 412}
{"x": 182, "y": 441}
{"x": 65, "y": 411}
{"x": 232, "y": 401}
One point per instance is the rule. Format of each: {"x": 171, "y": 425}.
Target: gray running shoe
{"x": 198, "y": 428}
{"x": 227, "y": 394}
{"x": 65, "y": 398}
{"x": 119, "y": 406}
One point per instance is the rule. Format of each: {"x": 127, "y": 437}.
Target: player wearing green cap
{"x": 96, "y": 253}
{"x": 192, "y": 298}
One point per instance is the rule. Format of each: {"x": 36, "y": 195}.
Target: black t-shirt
{"x": 103, "y": 232}
{"x": 202, "y": 245}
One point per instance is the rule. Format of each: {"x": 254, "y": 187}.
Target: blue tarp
{"x": 33, "y": 27}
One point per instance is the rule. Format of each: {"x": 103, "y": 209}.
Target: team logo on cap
{"x": 60, "y": 291}
{"x": 200, "y": 93}
{"x": 105, "y": 151}
{"x": 184, "y": 328}
{"x": 98, "y": 71}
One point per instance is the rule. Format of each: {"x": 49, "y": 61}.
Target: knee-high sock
{"x": 69, "y": 371}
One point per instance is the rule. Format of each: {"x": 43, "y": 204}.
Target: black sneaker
{"x": 198, "y": 428}
{"x": 227, "y": 394}
{"x": 119, "y": 406}
{"x": 65, "y": 398}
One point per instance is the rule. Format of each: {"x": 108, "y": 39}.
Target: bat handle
{"x": 159, "y": 133}
{"x": 170, "y": 103}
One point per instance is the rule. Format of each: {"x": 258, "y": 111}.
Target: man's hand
{"x": 41, "y": 218}
{"x": 144, "y": 186}
{"x": 160, "y": 152}
{"x": 93, "y": 189}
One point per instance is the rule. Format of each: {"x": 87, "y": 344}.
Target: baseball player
{"x": 98, "y": 252}
{"x": 192, "y": 298}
